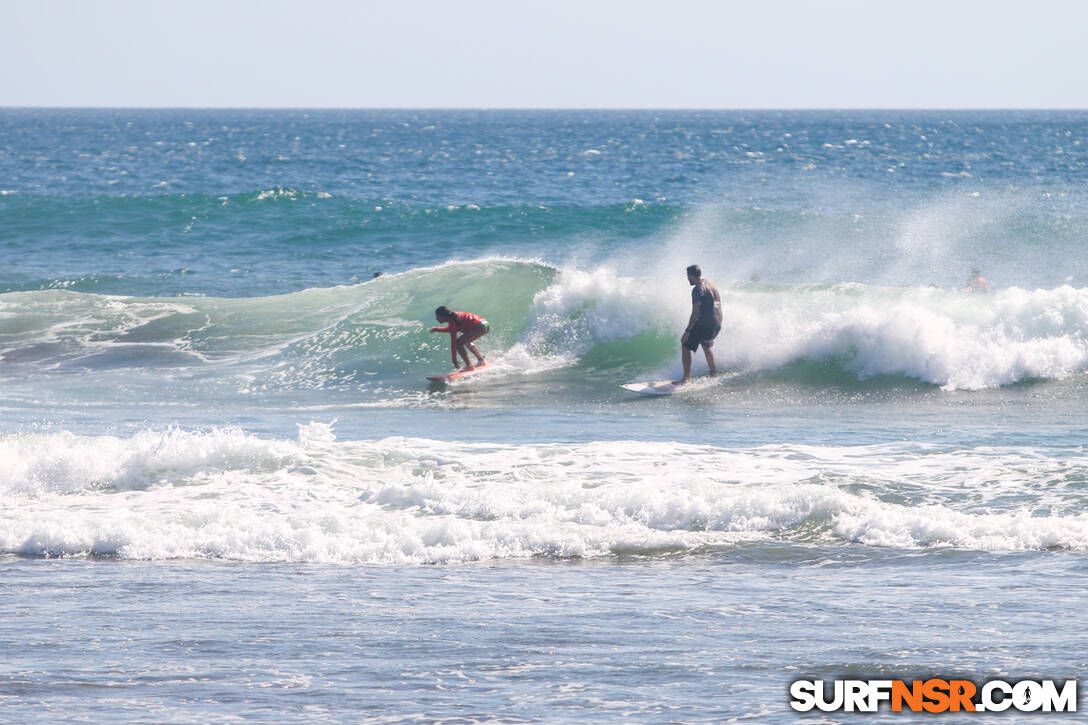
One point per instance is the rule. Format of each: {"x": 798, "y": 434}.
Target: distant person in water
{"x": 704, "y": 324}
{"x": 976, "y": 282}
{"x": 472, "y": 327}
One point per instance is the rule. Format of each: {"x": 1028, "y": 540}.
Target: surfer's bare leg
{"x": 685, "y": 357}
{"x": 466, "y": 341}
{"x": 464, "y": 355}
{"x": 709, "y": 352}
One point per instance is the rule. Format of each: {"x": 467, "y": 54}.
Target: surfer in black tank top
{"x": 704, "y": 324}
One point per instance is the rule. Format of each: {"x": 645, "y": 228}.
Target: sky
{"x": 544, "y": 54}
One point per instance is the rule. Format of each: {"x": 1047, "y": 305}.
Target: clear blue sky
{"x": 544, "y": 54}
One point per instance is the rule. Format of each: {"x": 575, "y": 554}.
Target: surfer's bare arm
{"x": 691, "y": 321}
{"x": 453, "y": 341}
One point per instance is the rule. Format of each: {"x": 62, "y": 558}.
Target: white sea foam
{"x": 62, "y": 463}
{"x": 947, "y": 338}
{"x": 227, "y": 494}
{"x": 953, "y": 340}
{"x": 277, "y": 193}
{"x": 581, "y": 309}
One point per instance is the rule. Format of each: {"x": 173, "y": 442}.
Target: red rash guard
{"x": 461, "y": 322}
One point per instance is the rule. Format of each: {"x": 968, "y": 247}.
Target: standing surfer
{"x": 704, "y": 324}
{"x": 472, "y": 327}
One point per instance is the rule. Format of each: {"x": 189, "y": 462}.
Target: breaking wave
{"x": 593, "y": 323}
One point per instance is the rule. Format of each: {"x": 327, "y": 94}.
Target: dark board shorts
{"x": 701, "y": 335}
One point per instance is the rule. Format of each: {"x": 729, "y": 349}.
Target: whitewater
{"x": 223, "y": 494}
{"x": 229, "y": 490}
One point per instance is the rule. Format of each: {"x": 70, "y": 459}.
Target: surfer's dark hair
{"x": 695, "y": 271}
{"x": 443, "y": 313}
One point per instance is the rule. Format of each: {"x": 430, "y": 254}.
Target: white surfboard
{"x": 659, "y": 387}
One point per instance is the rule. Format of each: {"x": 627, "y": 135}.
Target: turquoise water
{"x": 231, "y": 492}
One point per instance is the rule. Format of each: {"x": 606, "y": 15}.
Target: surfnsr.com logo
{"x": 934, "y": 695}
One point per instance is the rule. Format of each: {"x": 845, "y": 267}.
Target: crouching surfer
{"x": 471, "y": 328}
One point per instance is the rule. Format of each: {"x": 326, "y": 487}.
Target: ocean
{"x": 230, "y": 493}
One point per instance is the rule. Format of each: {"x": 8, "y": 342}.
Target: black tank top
{"x": 705, "y": 294}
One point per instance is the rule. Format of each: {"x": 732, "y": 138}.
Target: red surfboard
{"x": 456, "y": 373}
